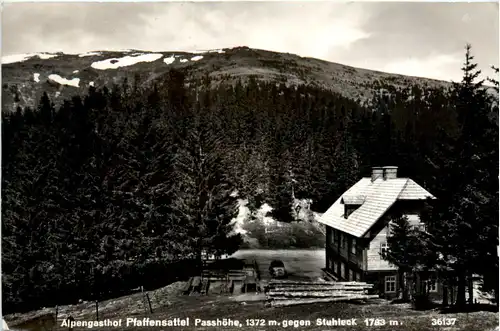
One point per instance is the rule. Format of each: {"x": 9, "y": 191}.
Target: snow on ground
{"x": 125, "y": 61}
{"x": 91, "y": 84}
{"x": 262, "y": 214}
{"x": 184, "y": 60}
{"x": 196, "y": 58}
{"x": 76, "y": 71}
{"x": 23, "y": 57}
{"x": 301, "y": 210}
{"x": 36, "y": 78}
{"x": 89, "y": 54}
{"x": 480, "y": 296}
{"x": 169, "y": 60}
{"x": 58, "y": 94}
{"x": 243, "y": 214}
{"x": 63, "y": 81}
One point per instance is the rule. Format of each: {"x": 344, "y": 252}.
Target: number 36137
{"x": 444, "y": 321}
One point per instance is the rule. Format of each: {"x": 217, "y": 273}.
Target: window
{"x": 333, "y": 235}
{"x": 342, "y": 270}
{"x": 358, "y": 276}
{"x": 384, "y": 247}
{"x": 432, "y": 285}
{"x": 353, "y": 246}
{"x": 335, "y": 267}
{"x": 390, "y": 284}
{"x": 351, "y": 275}
{"x": 343, "y": 241}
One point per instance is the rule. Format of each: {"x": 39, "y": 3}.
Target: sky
{"x": 413, "y": 38}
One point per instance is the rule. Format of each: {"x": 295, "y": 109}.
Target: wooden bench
{"x": 249, "y": 283}
{"x": 204, "y": 286}
{"x": 196, "y": 283}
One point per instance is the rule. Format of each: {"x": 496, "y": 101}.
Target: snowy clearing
{"x": 169, "y": 60}
{"x": 125, "y": 61}
{"x": 196, "y": 58}
{"x": 184, "y": 60}
{"x": 89, "y": 54}
{"x": 63, "y": 81}
{"x": 36, "y": 78}
{"x": 23, "y": 57}
{"x": 301, "y": 211}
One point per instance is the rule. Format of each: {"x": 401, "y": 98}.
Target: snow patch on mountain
{"x": 7, "y": 59}
{"x": 63, "y": 81}
{"x": 91, "y": 84}
{"x": 76, "y": 71}
{"x": 89, "y": 54}
{"x": 115, "y": 63}
{"x": 36, "y": 77}
{"x": 220, "y": 51}
{"x": 169, "y": 60}
{"x": 196, "y": 58}
{"x": 184, "y": 60}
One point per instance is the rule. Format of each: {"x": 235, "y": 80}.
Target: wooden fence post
{"x": 149, "y": 302}
{"x": 97, "y": 310}
{"x": 145, "y": 298}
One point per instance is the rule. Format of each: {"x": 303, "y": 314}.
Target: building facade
{"x": 358, "y": 224}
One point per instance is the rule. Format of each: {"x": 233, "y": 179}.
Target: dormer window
{"x": 351, "y": 203}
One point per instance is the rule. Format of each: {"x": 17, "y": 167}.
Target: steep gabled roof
{"x": 379, "y": 196}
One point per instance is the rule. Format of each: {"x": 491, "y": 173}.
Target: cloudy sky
{"x": 419, "y": 39}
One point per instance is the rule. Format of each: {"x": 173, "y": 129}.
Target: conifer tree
{"x": 464, "y": 226}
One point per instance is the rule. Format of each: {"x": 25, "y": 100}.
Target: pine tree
{"x": 494, "y": 81}
{"x": 204, "y": 205}
{"x": 464, "y": 224}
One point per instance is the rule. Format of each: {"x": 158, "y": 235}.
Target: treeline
{"x": 136, "y": 177}
{"x": 461, "y": 239}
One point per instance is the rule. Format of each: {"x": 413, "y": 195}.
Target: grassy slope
{"x": 167, "y": 303}
{"x": 213, "y": 308}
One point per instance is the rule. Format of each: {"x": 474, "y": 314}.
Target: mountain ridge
{"x": 24, "y": 81}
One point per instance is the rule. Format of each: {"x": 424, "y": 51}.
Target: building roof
{"x": 379, "y": 196}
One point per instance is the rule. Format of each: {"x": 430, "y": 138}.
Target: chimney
{"x": 390, "y": 172}
{"x": 377, "y": 172}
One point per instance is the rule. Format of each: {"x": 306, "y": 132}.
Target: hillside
{"x": 116, "y": 188}
{"x": 26, "y": 77}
